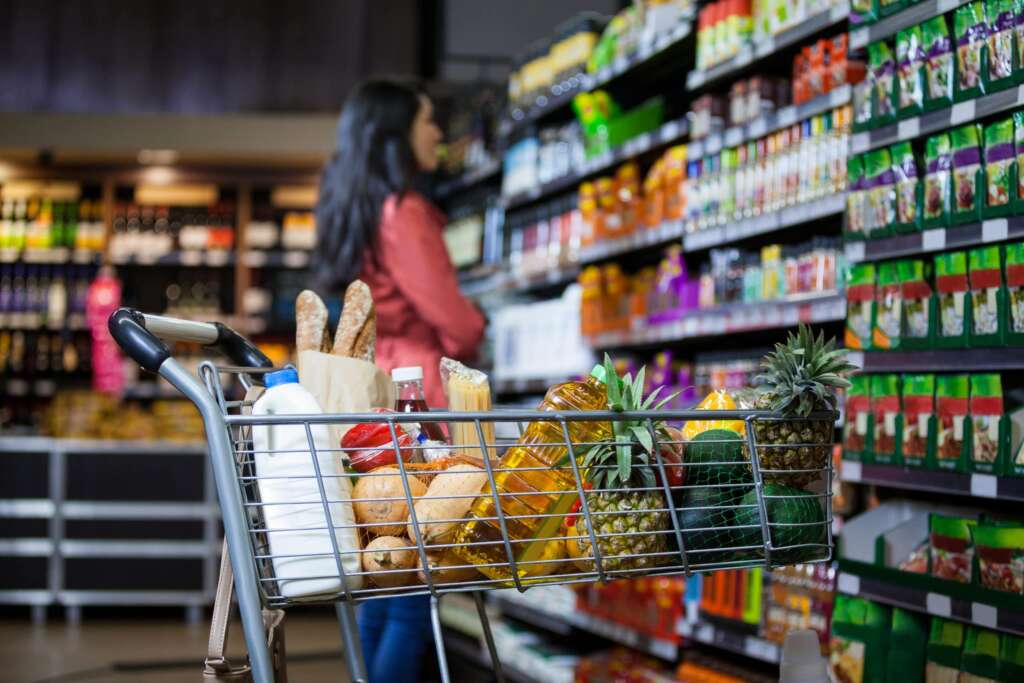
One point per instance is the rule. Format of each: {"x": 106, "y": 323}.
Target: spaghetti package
{"x": 468, "y": 390}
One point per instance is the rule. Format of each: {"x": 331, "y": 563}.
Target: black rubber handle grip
{"x": 239, "y": 349}
{"x": 128, "y": 328}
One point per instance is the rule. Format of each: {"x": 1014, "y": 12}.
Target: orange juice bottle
{"x": 590, "y": 301}
{"x": 654, "y": 194}
{"x": 610, "y": 225}
{"x": 589, "y": 214}
{"x": 675, "y": 174}
{"x": 627, "y": 182}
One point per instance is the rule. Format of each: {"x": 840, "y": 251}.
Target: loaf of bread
{"x": 311, "y": 331}
{"x": 366, "y": 342}
{"x": 357, "y": 329}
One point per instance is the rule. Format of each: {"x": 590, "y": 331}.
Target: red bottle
{"x": 409, "y": 398}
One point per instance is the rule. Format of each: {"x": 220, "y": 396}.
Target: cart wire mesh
{"x": 518, "y": 510}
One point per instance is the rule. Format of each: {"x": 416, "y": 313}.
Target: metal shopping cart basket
{"x": 515, "y": 509}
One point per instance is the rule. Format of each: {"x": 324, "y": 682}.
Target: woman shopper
{"x": 373, "y": 226}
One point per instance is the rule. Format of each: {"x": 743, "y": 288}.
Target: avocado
{"x": 708, "y": 458}
{"x": 792, "y": 506}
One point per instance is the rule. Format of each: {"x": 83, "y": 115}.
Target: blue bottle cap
{"x": 286, "y": 376}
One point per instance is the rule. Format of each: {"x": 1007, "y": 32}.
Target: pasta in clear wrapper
{"x": 468, "y": 390}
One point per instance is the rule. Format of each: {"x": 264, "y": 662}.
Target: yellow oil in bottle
{"x": 537, "y": 488}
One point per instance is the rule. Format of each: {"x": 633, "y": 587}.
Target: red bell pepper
{"x": 375, "y": 445}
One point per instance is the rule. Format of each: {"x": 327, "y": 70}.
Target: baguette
{"x": 366, "y": 342}
{"x": 356, "y": 313}
{"x": 311, "y": 331}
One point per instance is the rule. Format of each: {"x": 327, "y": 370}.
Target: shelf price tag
{"x": 854, "y": 251}
{"x": 984, "y": 485}
{"x": 191, "y": 258}
{"x": 670, "y": 131}
{"x": 859, "y": 142}
{"x": 758, "y": 127}
{"x": 962, "y": 112}
{"x": 939, "y": 605}
{"x": 933, "y": 240}
{"x": 909, "y": 129}
{"x": 851, "y": 470}
{"x": 943, "y": 6}
{"x": 994, "y": 230}
{"x": 786, "y": 116}
{"x": 848, "y": 583}
{"x": 984, "y": 615}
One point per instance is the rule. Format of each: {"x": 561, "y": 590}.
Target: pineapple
{"x": 617, "y": 472}
{"x": 798, "y": 378}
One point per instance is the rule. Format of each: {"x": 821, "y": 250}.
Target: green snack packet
{"x": 1015, "y": 293}
{"x": 910, "y": 70}
{"x": 857, "y": 428}
{"x": 988, "y": 428}
{"x": 1018, "y": 134}
{"x": 880, "y": 193}
{"x": 970, "y": 31}
{"x": 951, "y": 405}
{"x": 919, "y": 422}
{"x": 863, "y": 11}
{"x": 951, "y": 554}
{"x": 1000, "y": 168}
{"x": 889, "y": 7}
{"x": 981, "y": 656}
{"x": 908, "y": 642}
{"x": 945, "y": 648}
{"x": 1001, "y": 57}
{"x": 860, "y": 300}
{"x": 862, "y": 96}
{"x": 968, "y": 174}
{"x": 882, "y": 64}
{"x": 888, "y": 307}
{"x": 885, "y": 411}
{"x": 938, "y": 63}
{"x": 952, "y": 286}
{"x": 909, "y": 189}
{"x": 855, "y": 214}
{"x": 1011, "y": 659}
{"x": 859, "y": 644}
{"x": 1018, "y": 13}
{"x": 1000, "y": 551}
{"x": 938, "y": 181}
{"x": 917, "y": 329}
{"x": 988, "y": 297}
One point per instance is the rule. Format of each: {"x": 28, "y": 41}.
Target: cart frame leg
{"x": 485, "y": 624}
{"x": 350, "y": 641}
{"x": 435, "y": 622}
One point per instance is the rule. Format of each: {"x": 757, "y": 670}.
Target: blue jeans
{"x": 394, "y": 633}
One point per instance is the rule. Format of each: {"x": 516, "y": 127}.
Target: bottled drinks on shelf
{"x": 34, "y": 296}
{"x": 43, "y": 223}
{"x": 154, "y": 231}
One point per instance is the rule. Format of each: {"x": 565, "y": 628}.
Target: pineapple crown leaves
{"x": 804, "y": 373}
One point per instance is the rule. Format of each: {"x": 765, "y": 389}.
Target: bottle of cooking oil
{"x": 538, "y": 487}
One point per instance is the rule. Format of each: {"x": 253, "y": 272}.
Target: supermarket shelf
{"x": 666, "y": 134}
{"x": 525, "y": 386}
{"x": 697, "y": 79}
{"x": 992, "y": 616}
{"x": 44, "y": 508}
{"x": 193, "y": 257}
{"x": 936, "y": 239}
{"x": 292, "y": 258}
{"x": 933, "y": 122}
{"x": 913, "y": 15}
{"x": 74, "y": 322}
{"x": 468, "y": 179}
{"x": 729, "y": 640}
{"x": 474, "y": 652}
{"x": 550, "y": 278}
{"x": 143, "y": 391}
{"x": 761, "y": 126}
{"x": 55, "y": 255}
{"x": 819, "y": 308}
{"x": 949, "y": 483}
{"x": 23, "y": 387}
{"x": 45, "y": 444}
{"x": 961, "y": 360}
{"x": 668, "y": 231}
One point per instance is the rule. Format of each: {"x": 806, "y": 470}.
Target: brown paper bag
{"x": 344, "y": 385}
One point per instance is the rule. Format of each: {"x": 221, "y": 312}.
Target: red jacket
{"x": 421, "y": 314}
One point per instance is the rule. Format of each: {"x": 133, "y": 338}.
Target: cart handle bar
{"x": 140, "y": 336}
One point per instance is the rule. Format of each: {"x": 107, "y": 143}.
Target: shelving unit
{"x": 961, "y": 360}
{"x": 974, "y": 485}
{"x": 911, "y": 16}
{"x": 729, "y": 640}
{"x": 937, "y": 239}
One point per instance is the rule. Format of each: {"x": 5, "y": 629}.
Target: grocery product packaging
{"x": 917, "y": 445}
{"x": 952, "y": 286}
{"x": 1001, "y": 56}
{"x": 989, "y": 425}
{"x": 860, "y": 305}
{"x": 863, "y": 12}
{"x": 910, "y": 71}
{"x": 675, "y": 174}
{"x": 862, "y": 95}
{"x": 859, "y": 643}
{"x": 627, "y": 185}
{"x": 980, "y": 660}
{"x": 1000, "y": 169}
{"x": 654, "y": 194}
{"x": 344, "y": 385}
{"x": 880, "y": 184}
{"x": 917, "y": 329}
{"x": 856, "y": 219}
{"x": 857, "y": 432}
{"x": 968, "y": 174}
{"x": 882, "y": 64}
{"x": 909, "y": 188}
{"x": 988, "y": 297}
{"x": 938, "y": 181}
{"x": 1015, "y": 294}
{"x": 1000, "y": 550}
{"x": 945, "y": 647}
{"x": 908, "y": 641}
{"x": 887, "y": 422}
{"x": 885, "y": 334}
{"x": 1011, "y": 658}
{"x": 951, "y": 404}
{"x": 970, "y": 31}
{"x": 951, "y": 553}
{"x": 889, "y": 7}
{"x": 938, "y": 65}
{"x": 1018, "y": 137}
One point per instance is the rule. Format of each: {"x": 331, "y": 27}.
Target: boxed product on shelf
{"x": 938, "y": 181}
{"x": 733, "y": 594}
{"x": 980, "y": 657}
{"x": 970, "y": 30}
{"x": 908, "y": 641}
{"x": 945, "y": 648}
{"x": 611, "y": 665}
{"x": 909, "y": 189}
{"x": 939, "y": 66}
{"x": 860, "y": 306}
{"x": 648, "y": 605}
{"x": 950, "y": 549}
{"x": 917, "y": 328}
{"x": 859, "y": 645}
{"x": 919, "y": 421}
{"x": 989, "y": 426}
{"x": 952, "y": 445}
{"x": 801, "y": 597}
{"x": 968, "y": 173}
{"x": 883, "y": 74}
{"x": 1000, "y": 552}
{"x": 1000, "y": 169}
{"x": 953, "y": 289}
{"x": 887, "y": 422}
{"x": 1018, "y": 138}
{"x": 857, "y": 433}
{"x": 888, "y": 307}
{"x": 987, "y": 297}
{"x": 880, "y": 193}
{"x": 1001, "y": 55}
{"x": 856, "y": 214}
{"x": 1015, "y": 293}
{"x": 910, "y": 71}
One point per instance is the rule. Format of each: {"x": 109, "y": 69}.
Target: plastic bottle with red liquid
{"x": 409, "y": 398}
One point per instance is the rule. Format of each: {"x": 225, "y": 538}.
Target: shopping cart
{"x": 539, "y": 522}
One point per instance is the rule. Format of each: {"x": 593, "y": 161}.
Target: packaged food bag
{"x": 988, "y": 297}
{"x": 1011, "y": 658}
{"x": 952, "y": 553}
{"x": 938, "y": 181}
{"x": 919, "y": 422}
{"x": 917, "y": 330}
{"x": 1015, "y": 293}
{"x": 971, "y": 32}
{"x": 938, "y": 63}
{"x": 859, "y": 644}
{"x": 980, "y": 660}
{"x": 1000, "y": 169}
{"x": 951, "y": 403}
{"x": 1001, "y": 57}
{"x": 910, "y": 71}
{"x": 909, "y": 188}
{"x": 863, "y": 12}
{"x": 860, "y": 305}
{"x": 945, "y": 648}
{"x": 953, "y": 287}
{"x": 863, "y": 94}
{"x": 1018, "y": 137}
{"x": 885, "y": 334}
{"x": 989, "y": 425}
{"x": 880, "y": 183}
{"x": 908, "y": 642}
{"x": 887, "y": 421}
{"x": 882, "y": 64}
{"x": 1000, "y": 551}
{"x": 1018, "y": 28}
{"x": 968, "y": 174}
{"x": 856, "y": 219}
{"x": 889, "y": 7}
{"x": 857, "y": 429}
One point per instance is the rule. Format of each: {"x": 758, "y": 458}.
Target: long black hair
{"x": 373, "y": 158}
